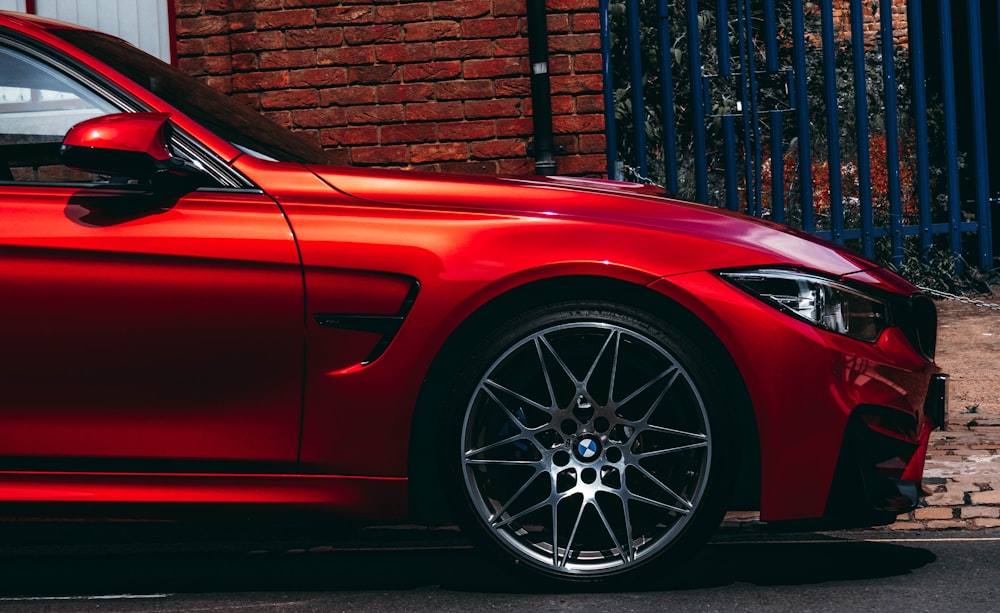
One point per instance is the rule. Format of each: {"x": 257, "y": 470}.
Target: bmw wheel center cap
{"x": 587, "y": 449}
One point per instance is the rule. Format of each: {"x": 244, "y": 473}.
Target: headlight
{"x": 819, "y": 301}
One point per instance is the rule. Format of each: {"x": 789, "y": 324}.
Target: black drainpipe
{"x": 543, "y": 147}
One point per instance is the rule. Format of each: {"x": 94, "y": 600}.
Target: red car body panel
{"x": 179, "y": 353}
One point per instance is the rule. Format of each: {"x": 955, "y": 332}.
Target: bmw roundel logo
{"x": 587, "y": 449}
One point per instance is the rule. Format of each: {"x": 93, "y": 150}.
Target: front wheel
{"x": 595, "y": 440}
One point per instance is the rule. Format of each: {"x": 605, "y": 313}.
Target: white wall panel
{"x": 144, "y": 23}
{"x": 12, "y": 5}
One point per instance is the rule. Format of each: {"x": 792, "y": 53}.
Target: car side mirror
{"x": 132, "y": 145}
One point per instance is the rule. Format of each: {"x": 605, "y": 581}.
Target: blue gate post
{"x": 667, "y": 97}
{"x": 802, "y": 117}
{"x": 891, "y": 134}
{"x": 697, "y": 103}
{"x": 777, "y": 146}
{"x": 832, "y": 126}
{"x": 916, "y": 34}
{"x": 610, "y": 129}
{"x": 861, "y": 128}
{"x": 728, "y": 127}
{"x": 950, "y": 131}
{"x": 980, "y": 156}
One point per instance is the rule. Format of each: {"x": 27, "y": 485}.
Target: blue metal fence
{"x": 838, "y": 117}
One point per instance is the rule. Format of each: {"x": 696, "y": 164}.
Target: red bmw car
{"x": 585, "y": 375}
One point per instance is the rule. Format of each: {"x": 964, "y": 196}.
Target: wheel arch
{"x": 428, "y": 500}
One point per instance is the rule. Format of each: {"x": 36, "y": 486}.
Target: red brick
{"x": 339, "y": 157}
{"x": 477, "y": 109}
{"x": 242, "y": 22}
{"x": 521, "y": 126}
{"x": 592, "y": 103}
{"x": 488, "y": 69}
{"x": 294, "y": 18}
{"x": 188, "y": 8}
{"x": 586, "y": 22}
{"x": 462, "y": 9}
{"x": 203, "y": 25}
{"x": 566, "y": 144}
{"x": 559, "y": 65}
{"x": 378, "y": 114}
{"x": 430, "y": 31}
{"x": 371, "y": 34}
{"x": 245, "y": 61}
{"x": 289, "y": 98}
{"x": 379, "y": 73}
{"x": 571, "y": 5}
{"x": 319, "y": 117}
{"x": 341, "y": 15}
{"x": 510, "y": 7}
{"x": 574, "y": 43}
{"x": 490, "y": 28}
{"x": 513, "y": 87}
{"x": 462, "y": 49}
{"x": 588, "y": 62}
{"x": 223, "y": 83}
{"x": 434, "y": 111}
{"x": 287, "y": 59}
{"x": 206, "y": 65}
{"x": 405, "y": 92}
{"x": 250, "y": 100}
{"x": 257, "y": 41}
{"x": 463, "y": 90}
{"x": 582, "y": 165}
{"x": 348, "y": 96}
{"x": 577, "y": 84}
{"x": 407, "y": 12}
{"x": 282, "y": 118}
{"x": 191, "y": 46}
{"x": 345, "y": 56}
{"x": 432, "y": 71}
{"x": 314, "y": 37}
{"x": 317, "y": 77}
{"x": 408, "y": 133}
{"x": 578, "y": 124}
{"x": 506, "y": 47}
{"x": 255, "y": 5}
{"x": 438, "y": 152}
{"x": 557, "y": 24}
{"x": 404, "y": 53}
{"x": 257, "y": 81}
{"x": 467, "y": 130}
{"x": 562, "y": 105}
{"x": 495, "y": 149}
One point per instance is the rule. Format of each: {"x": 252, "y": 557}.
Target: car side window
{"x": 38, "y": 105}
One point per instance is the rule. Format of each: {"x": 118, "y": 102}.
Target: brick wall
{"x": 435, "y": 85}
{"x": 900, "y": 20}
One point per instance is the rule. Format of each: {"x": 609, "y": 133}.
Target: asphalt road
{"x": 125, "y": 567}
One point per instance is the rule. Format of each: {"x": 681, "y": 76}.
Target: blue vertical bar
{"x": 861, "y": 125}
{"x": 610, "y": 129}
{"x": 637, "y": 83}
{"x": 728, "y": 128}
{"x": 950, "y": 132}
{"x": 916, "y": 36}
{"x": 750, "y": 110}
{"x": 697, "y": 103}
{"x": 776, "y": 141}
{"x": 833, "y": 124}
{"x": 802, "y": 117}
{"x": 980, "y": 155}
{"x": 891, "y": 133}
{"x": 667, "y": 99}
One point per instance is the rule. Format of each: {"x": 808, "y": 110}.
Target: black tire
{"x": 602, "y": 425}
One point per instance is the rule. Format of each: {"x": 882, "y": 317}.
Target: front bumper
{"x": 843, "y": 425}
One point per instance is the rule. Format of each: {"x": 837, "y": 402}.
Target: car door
{"x": 137, "y": 332}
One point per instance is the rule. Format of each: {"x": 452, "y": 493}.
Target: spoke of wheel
{"x": 663, "y": 486}
{"x": 614, "y": 362}
{"x": 658, "y": 504}
{"x": 555, "y": 535}
{"x": 663, "y": 430}
{"x": 502, "y": 462}
{"x": 491, "y": 383}
{"x": 506, "y": 441}
{"x": 657, "y": 452}
{"x": 545, "y": 373}
{"x": 518, "y": 516}
{"x": 562, "y": 364}
{"x": 572, "y": 534}
{"x": 674, "y": 370}
{"x": 625, "y": 553}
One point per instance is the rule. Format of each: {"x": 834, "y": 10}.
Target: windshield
{"x": 246, "y": 129}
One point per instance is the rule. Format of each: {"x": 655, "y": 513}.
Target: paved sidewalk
{"x": 963, "y": 462}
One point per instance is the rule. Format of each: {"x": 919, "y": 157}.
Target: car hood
{"x": 593, "y": 200}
